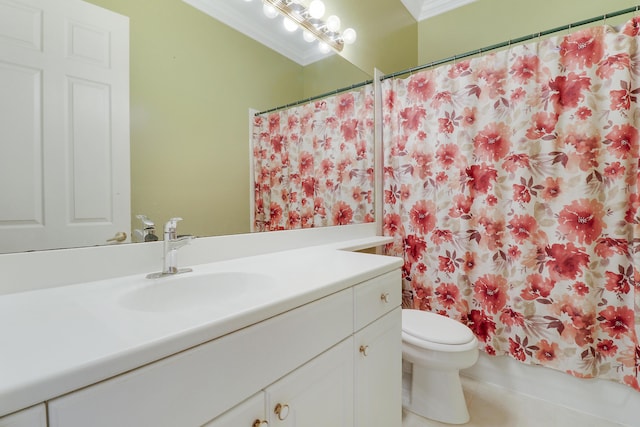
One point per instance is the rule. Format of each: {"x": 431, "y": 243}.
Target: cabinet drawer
{"x": 195, "y": 386}
{"x": 376, "y": 297}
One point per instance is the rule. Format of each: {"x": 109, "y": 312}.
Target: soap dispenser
{"x": 148, "y": 231}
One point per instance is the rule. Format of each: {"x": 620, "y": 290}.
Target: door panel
{"x": 64, "y": 134}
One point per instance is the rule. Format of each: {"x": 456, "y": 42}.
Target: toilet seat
{"x": 419, "y": 327}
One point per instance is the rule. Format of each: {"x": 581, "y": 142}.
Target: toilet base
{"x": 437, "y": 395}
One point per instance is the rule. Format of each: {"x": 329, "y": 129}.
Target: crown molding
{"x": 424, "y": 9}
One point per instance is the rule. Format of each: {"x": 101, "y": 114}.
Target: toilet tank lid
{"x": 433, "y": 327}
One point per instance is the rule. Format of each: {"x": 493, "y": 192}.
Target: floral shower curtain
{"x": 512, "y": 192}
{"x": 313, "y": 164}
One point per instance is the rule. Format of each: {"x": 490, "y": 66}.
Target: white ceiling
{"x": 247, "y": 17}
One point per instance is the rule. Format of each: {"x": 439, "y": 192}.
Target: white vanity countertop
{"x": 57, "y": 340}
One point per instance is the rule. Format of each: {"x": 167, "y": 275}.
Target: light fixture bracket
{"x": 300, "y": 15}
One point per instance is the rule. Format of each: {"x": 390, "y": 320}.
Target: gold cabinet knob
{"x": 282, "y": 411}
{"x": 120, "y": 236}
{"x": 384, "y": 297}
{"x": 364, "y": 350}
{"x": 260, "y": 423}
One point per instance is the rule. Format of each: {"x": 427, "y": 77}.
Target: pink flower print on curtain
{"x": 313, "y": 163}
{"x": 511, "y": 189}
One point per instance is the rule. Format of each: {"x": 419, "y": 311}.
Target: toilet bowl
{"x": 436, "y": 348}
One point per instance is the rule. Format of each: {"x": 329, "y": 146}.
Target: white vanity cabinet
{"x": 300, "y": 368}
{"x": 36, "y": 416}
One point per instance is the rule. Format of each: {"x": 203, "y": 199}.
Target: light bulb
{"x": 316, "y": 9}
{"x": 308, "y": 36}
{"x": 324, "y": 48}
{"x": 349, "y": 36}
{"x": 269, "y": 11}
{"x": 290, "y": 25}
{"x": 333, "y": 24}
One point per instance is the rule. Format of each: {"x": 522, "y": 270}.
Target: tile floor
{"x": 491, "y": 406}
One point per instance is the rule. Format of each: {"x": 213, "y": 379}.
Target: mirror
{"x": 192, "y": 83}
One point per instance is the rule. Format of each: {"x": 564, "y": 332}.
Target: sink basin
{"x": 188, "y": 291}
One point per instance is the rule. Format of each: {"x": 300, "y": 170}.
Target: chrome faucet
{"x": 171, "y": 245}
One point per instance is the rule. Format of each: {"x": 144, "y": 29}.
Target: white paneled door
{"x": 64, "y": 124}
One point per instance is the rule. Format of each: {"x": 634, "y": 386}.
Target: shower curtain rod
{"x": 510, "y": 42}
{"x": 313, "y": 98}
{"x": 461, "y": 56}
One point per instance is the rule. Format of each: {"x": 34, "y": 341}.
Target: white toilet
{"x": 436, "y": 348}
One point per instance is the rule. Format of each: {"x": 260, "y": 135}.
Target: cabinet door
{"x": 378, "y": 372}
{"x": 35, "y": 416}
{"x": 318, "y": 394}
{"x": 250, "y": 413}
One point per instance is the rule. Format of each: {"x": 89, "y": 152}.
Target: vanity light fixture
{"x": 309, "y": 18}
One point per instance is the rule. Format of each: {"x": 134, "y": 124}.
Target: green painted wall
{"x": 332, "y": 73}
{"x": 487, "y": 22}
{"x": 192, "y": 82}
{"x": 387, "y": 34}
